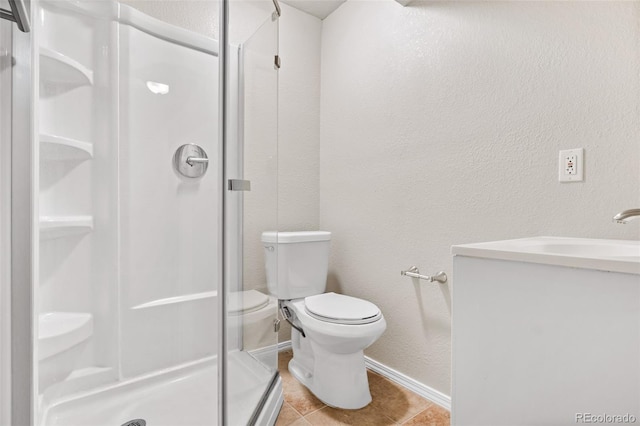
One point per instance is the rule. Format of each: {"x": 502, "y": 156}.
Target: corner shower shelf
{"x": 177, "y": 299}
{"x": 59, "y": 68}
{"x": 61, "y": 226}
{"x": 54, "y": 147}
{"x": 60, "y": 331}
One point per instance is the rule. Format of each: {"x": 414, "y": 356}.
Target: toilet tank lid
{"x": 295, "y": 237}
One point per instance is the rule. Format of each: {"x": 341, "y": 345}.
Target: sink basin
{"x": 588, "y": 248}
{"x": 605, "y": 255}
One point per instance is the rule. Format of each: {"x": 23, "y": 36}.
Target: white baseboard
{"x": 403, "y": 380}
{"x": 407, "y": 382}
{"x": 284, "y": 346}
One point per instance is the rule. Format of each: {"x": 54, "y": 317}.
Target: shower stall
{"x": 138, "y": 168}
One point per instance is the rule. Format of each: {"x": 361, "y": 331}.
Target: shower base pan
{"x": 186, "y": 397}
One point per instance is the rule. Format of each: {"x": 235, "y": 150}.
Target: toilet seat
{"x": 245, "y": 302}
{"x": 341, "y": 309}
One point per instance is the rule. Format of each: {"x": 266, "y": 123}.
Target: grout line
{"x": 429, "y": 405}
{"x": 386, "y": 379}
{"x": 440, "y": 399}
{"x": 391, "y": 420}
{"x": 418, "y": 413}
{"x": 316, "y": 410}
{"x": 294, "y": 409}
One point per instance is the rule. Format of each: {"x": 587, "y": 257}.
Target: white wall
{"x": 441, "y": 124}
{"x": 289, "y": 200}
{"x": 299, "y": 121}
{"x": 298, "y": 125}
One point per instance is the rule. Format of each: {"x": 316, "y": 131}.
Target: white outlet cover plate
{"x": 578, "y": 174}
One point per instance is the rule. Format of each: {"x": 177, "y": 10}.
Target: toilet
{"x": 329, "y": 330}
{"x": 254, "y": 313}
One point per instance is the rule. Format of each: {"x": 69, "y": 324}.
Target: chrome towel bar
{"x": 414, "y": 272}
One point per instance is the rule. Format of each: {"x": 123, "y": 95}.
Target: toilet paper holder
{"x": 414, "y": 272}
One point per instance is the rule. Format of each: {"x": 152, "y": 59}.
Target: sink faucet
{"x": 627, "y": 215}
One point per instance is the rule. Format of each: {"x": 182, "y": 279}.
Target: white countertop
{"x": 604, "y": 255}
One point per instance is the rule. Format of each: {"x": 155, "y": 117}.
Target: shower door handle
{"x": 239, "y": 185}
{"x": 19, "y": 14}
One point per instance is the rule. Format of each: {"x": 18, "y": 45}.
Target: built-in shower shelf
{"x": 63, "y": 226}
{"x": 58, "y": 68}
{"x": 177, "y": 299}
{"x": 60, "y": 331}
{"x": 54, "y": 147}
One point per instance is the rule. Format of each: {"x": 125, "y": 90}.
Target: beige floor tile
{"x": 397, "y": 403}
{"x": 432, "y": 416}
{"x": 392, "y": 404}
{"x": 295, "y": 393}
{"x": 299, "y": 397}
{"x": 368, "y": 416}
{"x": 283, "y": 366}
{"x": 283, "y": 360}
{"x": 300, "y": 422}
{"x": 287, "y": 416}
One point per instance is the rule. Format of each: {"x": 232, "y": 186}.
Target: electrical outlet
{"x": 571, "y": 165}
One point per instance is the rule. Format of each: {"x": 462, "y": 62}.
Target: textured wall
{"x": 299, "y": 121}
{"x": 299, "y": 125}
{"x": 441, "y": 124}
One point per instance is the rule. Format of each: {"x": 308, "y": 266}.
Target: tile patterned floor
{"x": 391, "y": 405}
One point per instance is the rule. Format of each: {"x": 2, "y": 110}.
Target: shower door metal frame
{"x": 23, "y": 230}
{"x": 6, "y": 57}
{"x": 223, "y": 33}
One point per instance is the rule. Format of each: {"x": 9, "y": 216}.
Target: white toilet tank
{"x": 296, "y": 263}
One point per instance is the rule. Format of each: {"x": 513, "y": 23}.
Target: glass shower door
{"x": 252, "y": 311}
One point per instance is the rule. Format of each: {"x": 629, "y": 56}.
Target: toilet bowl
{"x": 330, "y": 331}
{"x": 332, "y": 364}
{"x": 254, "y": 312}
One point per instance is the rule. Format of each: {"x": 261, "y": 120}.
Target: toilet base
{"x": 338, "y": 380}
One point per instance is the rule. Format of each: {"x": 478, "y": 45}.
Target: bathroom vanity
{"x": 546, "y": 330}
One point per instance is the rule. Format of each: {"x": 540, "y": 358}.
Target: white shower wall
{"x": 143, "y": 255}
{"x": 169, "y": 225}
{"x": 77, "y": 130}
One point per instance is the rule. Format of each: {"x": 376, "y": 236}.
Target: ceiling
{"x": 318, "y": 8}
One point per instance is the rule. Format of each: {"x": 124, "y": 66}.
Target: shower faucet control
{"x": 190, "y": 161}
